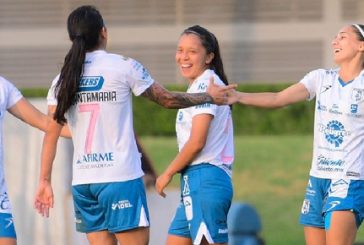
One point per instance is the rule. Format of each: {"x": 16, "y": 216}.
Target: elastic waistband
{"x": 194, "y": 167}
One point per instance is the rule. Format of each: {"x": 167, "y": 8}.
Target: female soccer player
{"x": 11, "y": 100}
{"x": 333, "y": 207}
{"x": 93, "y": 94}
{"x": 206, "y": 148}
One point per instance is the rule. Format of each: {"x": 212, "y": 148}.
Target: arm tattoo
{"x": 174, "y": 100}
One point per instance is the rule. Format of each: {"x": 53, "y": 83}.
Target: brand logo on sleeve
{"x": 91, "y": 83}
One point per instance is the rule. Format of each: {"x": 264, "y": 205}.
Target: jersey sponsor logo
{"x": 4, "y": 202}
{"x": 334, "y": 132}
{"x": 97, "y": 157}
{"x": 206, "y": 105}
{"x": 202, "y": 87}
{"x": 354, "y": 108}
{"x": 91, "y": 83}
{"x": 329, "y": 165}
{"x": 96, "y": 160}
{"x": 357, "y": 94}
{"x": 352, "y": 174}
{"x": 122, "y": 204}
{"x": 335, "y": 110}
{"x": 140, "y": 68}
{"x": 321, "y": 107}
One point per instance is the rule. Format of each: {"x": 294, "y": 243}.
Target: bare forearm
{"x": 265, "y": 100}
{"x": 294, "y": 93}
{"x": 47, "y": 158}
{"x": 183, "y": 159}
{"x": 175, "y": 100}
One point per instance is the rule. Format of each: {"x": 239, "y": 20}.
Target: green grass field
{"x": 270, "y": 172}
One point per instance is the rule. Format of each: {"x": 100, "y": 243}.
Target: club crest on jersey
{"x": 357, "y": 94}
{"x": 91, "y": 83}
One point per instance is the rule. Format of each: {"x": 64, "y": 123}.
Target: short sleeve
{"x": 51, "y": 96}
{"x": 138, "y": 77}
{"x": 12, "y": 93}
{"x": 311, "y": 81}
{"x": 200, "y": 86}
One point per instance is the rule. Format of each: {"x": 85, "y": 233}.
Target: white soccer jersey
{"x": 338, "y": 147}
{"x": 9, "y": 96}
{"x": 219, "y": 147}
{"x": 101, "y": 121}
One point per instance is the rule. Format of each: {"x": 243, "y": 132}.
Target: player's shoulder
{"x": 120, "y": 61}
{"x": 5, "y": 84}
{"x": 325, "y": 72}
{"x": 322, "y": 74}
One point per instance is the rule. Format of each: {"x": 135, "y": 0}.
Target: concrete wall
{"x": 261, "y": 40}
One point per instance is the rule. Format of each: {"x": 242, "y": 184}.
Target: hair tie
{"x": 359, "y": 29}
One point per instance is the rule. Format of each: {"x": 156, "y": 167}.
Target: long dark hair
{"x": 84, "y": 25}
{"x": 210, "y": 43}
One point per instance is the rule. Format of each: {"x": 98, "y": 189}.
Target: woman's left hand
{"x": 161, "y": 183}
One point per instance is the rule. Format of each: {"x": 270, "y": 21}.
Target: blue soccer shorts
{"x": 115, "y": 207}
{"x": 324, "y": 196}
{"x": 206, "y": 193}
{"x": 7, "y": 229}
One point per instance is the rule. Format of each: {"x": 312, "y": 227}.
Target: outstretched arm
{"x": 26, "y": 112}
{"x": 294, "y": 93}
{"x": 29, "y": 114}
{"x": 174, "y": 100}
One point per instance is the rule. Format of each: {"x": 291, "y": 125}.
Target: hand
{"x": 44, "y": 198}
{"x": 232, "y": 97}
{"x": 161, "y": 183}
{"x": 218, "y": 93}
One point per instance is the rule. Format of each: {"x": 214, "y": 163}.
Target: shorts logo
{"x": 91, "y": 83}
{"x": 333, "y": 204}
{"x": 223, "y": 231}
{"x": 121, "y": 205}
{"x": 187, "y": 202}
{"x": 186, "y": 188}
{"x": 78, "y": 221}
{"x": 305, "y": 206}
{"x": 10, "y": 220}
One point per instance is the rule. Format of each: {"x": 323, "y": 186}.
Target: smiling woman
{"x": 333, "y": 207}
{"x": 206, "y": 148}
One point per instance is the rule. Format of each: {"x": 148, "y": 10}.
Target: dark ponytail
{"x": 84, "y": 26}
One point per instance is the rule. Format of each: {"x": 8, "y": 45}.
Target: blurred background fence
{"x": 264, "y": 41}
